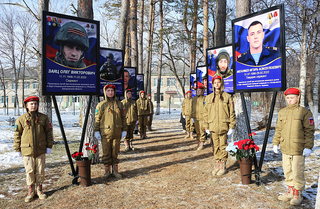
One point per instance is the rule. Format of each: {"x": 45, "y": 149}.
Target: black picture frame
{"x": 265, "y": 76}
{"x": 59, "y": 78}
{"x": 201, "y": 72}
{"x": 118, "y": 64}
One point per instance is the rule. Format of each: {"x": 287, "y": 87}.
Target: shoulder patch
{"x": 15, "y": 127}
{"x": 96, "y": 112}
{"x": 272, "y": 48}
{"x": 311, "y": 121}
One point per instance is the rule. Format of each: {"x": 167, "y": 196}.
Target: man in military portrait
{"x": 222, "y": 64}
{"x": 74, "y": 42}
{"x": 258, "y": 54}
{"x": 108, "y": 70}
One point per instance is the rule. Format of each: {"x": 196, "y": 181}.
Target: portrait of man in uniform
{"x": 258, "y": 54}
{"x": 108, "y": 70}
{"x": 223, "y": 63}
{"x": 74, "y": 42}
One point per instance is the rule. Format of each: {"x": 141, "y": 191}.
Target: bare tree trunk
{"x": 140, "y": 44}
{"x": 149, "y": 49}
{"x": 220, "y": 29}
{"x": 194, "y": 35}
{"x": 133, "y": 33}
{"x": 205, "y": 29}
{"x": 85, "y": 10}
{"x": 243, "y": 8}
{"x": 45, "y": 105}
{"x": 123, "y": 24}
{"x": 160, "y": 58}
{"x": 303, "y": 60}
{"x": 127, "y": 60}
{"x": 3, "y": 83}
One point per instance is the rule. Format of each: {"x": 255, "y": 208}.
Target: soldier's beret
{"x": 188, "y": 92}
{"x": 216, "y": 77}
{"x": 292, "y": 91}
{"x": 31, "y": 98}
{"x": 200, "y": 87}
{"x": 149, "y": 95}
{"x": 129, "y": 90}
{"x": 109, "y": 86}
{"x": 142, "y": 92}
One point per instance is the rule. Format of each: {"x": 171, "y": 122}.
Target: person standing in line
{"x": 110, "y": 126}
{"x": 198, "y": 103}
{"x": 143, "y": 106}
{"x": 186, "y": 112}
{"x": 33, "y": 139}
{"x": 219, "y": 120}
{"x": 295, "y": 134}
{"x": 131, "y": 112}
{"x": 150, "y": 117}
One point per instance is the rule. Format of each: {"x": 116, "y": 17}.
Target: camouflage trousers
{"x": 130, "y": 130}
{"x": 110, "y": 148}
{"x": 201, "y": 134}
{"x": 142, "y": 123}
{"x": 189, "y": 124}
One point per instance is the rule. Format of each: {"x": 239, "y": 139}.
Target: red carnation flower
{"x": 87, "y": 144}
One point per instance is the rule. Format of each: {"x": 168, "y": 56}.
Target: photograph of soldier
{"x": 109, "y": 127}
{"x": 33, "y": 139}
{"x": 140, "y": 82}
{"x": 131, "y": 112}
{"x": 150, "y": 117}
{"x": 202, "y": 75}
{"x": 205, "y": 81}
{"x": 223, "y": 63}
{"x": 193, "y": 84}
{"x": 108, "y": 70}
{"x": 257, "y": 54}
{"x": 74, "y": 42}
{"x": 198, "y": 103}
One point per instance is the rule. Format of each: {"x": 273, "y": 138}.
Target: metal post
{"x": 74, "y": 173}
{"x": 267, "y": 130}
{"x": 84, "y": 126}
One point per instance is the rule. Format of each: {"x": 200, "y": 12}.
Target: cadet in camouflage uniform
{"x": 74, "y": 42}
{"x": 131, "y": 112}
{"x": 110, "y": 126}
{"x": 295, "y": 134}
{"x": 150, "y": 117}
{"x": 186, "y": 112}
{"x": 33, "y": 139}
{"x": 198, "y": 103}
{"x": 219, "y": 120}
{"x": 222, "y": 64}
{"x": 108, "y": 70}
{"x": 143, "y": 113}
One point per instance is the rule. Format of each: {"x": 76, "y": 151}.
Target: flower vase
{"x": 85, "y": 172}
{"x": 245, "y": 170}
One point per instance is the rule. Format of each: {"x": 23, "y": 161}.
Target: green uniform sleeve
{"x": 49, "y": 136}
{"x": 193, "y": 107}
{"x": 123, "y": 117}
{"x": 277, "y": 134}
{"x": 135, "y": 112}
{"x": 308, "y": 127}
{"x": 183, "y": 106}
{"x": 232, "y": 114}
{"x": 97, "y": 118}
{"x": 18, "y": 129}
{"x": 205, "y": 115}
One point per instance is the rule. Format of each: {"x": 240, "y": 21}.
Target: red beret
{"x": 109, "y": 86}
{"x": 31, "y": 98}
{"x": 129, "y": 90}
{"x": 292, "y": 91}
{"x": 188, "y": 92}
{"x": 149, "y": 95}
{"x": 216, "y": 77}
{"x": 200, "y": 87}
{"x": 142, "y": 92}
